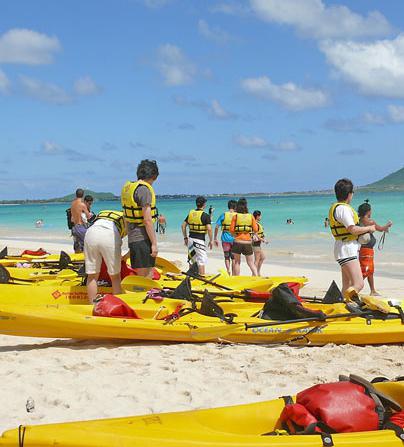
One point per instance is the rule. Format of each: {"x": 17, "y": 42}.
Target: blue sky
{"x": 227, "y": 96}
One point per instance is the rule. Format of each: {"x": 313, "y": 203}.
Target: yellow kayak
{"x": 64, "y": 321}
{"x": 234, "y": 426}
{"x": 40, "y": 274}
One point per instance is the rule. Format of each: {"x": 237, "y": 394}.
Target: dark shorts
{"x": 227, "y": 250}
{"x": 242, "y": 249}
{"x": 140, "y": 255}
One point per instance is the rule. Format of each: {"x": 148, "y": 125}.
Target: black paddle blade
{"x": 210, "y": 308}
{"x": 64, "y": 260}
{"x": 82, "y": 270}
{"x": 4, "y": 275}
{"x": 333, "y": 294}
{"x": 183, "y": 290}
{"x": 3, "y": 253}
{"x": 193, "y": 270}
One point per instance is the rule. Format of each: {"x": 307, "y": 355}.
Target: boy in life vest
{"x": 257, "y": 240}
{"x": 242, "y": 225}
{"x": 140, "y": 212}
{"x": 224, "y": 222}
{"x": 366, "y": 252}
{"x": 344, "y": 226}
{"x": 199, "y": 225}
{"x": 103, "y": 240}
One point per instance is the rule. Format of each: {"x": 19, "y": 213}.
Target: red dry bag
{"x": 112, "y": 306}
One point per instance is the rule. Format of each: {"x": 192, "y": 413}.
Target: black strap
{"x": 288, "y": 400}
{"x": 327, "y": 440}
{"x": 21, "y": 435}
{"x": 399, "y": 431}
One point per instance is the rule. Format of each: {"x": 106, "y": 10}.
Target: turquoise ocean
{"x": 306, "y": 241}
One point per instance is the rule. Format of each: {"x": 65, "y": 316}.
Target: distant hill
{"x": 392, "y": 182}
{"x": 96, "y": 195}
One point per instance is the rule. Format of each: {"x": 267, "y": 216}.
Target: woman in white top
{"x": 344, "y": 225}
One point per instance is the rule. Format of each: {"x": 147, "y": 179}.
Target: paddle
{"x": 166, "y": 266}
{"x": 206, "y": 281}
{"x": 214, "y": 332}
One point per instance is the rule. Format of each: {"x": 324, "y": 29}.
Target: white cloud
{"x": 4, "y": 83}
{"x": 174, "y": 66}
{"x": 251, "y": 142}
{"x": 213, "y": 33}
{"x": 256, "y": 142}
{"x": 289, "y": 95}
{"x": 396, "y": 113}
{"x": 231, "y": 8}
{"x": 373, "y": 118}
{"x": 314, "y": 18}
{"x": 24, "y": 46}
{"x": 51, "y": 148}
{"x": 375, "y": 68}
{"x": 85, "y": 86}
{"x": 43, "y": 91}
{"x": 219, "y": 112}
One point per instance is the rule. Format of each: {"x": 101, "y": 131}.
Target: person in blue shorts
{"x": 224, "y": 222}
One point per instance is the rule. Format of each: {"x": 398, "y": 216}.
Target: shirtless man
{"x": 79, "y": 227}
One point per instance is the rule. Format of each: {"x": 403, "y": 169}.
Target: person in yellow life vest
{"x": 103, "y": 240}
{"x": 257, "y": 240}
{"x": 224, "y": 222}
{"x": 243, "y": 224}
{"x": 344, "y": 226}
{"x": 199, "y": 225}
{"x": 140, "y": 212}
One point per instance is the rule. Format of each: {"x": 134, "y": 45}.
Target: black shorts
{"x": 140, "y": 255}
{"x": 242, "y": 249}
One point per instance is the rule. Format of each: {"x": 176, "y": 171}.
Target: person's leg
{"x": 354, "y": 273}
{"x": 140, "y": 258}
{"x": 251, "y": 264}
{"x": 236, "y": 266}
{"x": 116, "y": 283}
{"x": 345, "y": 280}
{"x": 371, "y": 281}
{"x": 92, "y": 286}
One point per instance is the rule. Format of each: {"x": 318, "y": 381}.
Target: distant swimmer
{"x": 290, "y": 222}
{"x": 326, "y": 222}
{"x": 39, "y": 223}
{"x": 344, "y": 226}
{"x": 199, "y": 224}
{"x": 366, "y": 252}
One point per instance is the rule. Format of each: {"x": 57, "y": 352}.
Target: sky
{"x": 227, "y": 96}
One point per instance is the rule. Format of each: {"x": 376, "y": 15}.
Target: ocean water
{"x": 306, "y": 241}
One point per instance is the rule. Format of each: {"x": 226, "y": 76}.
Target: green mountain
{"x": 392, "y": 182}
{"x": 96, "y": 195}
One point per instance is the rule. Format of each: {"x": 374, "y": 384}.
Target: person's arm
{"x": 215, "y": 236}
{"x": 209, "y": 228}
{"x": 344, "y": 215}
{"x": 148, "y": 223}
{"x": 377, "y": 226}
{"x": 184, "y": 232}
{"x": 84, "y": 209}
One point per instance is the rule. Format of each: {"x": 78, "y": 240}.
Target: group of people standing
{"x": 100, "y": 236}
{"x": 242, "y": 234}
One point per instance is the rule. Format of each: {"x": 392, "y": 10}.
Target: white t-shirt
{"x": 345, "y": 249}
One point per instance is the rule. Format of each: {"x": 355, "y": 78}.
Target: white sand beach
{"x": 75, "y": 380}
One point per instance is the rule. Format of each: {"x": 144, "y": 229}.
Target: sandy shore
{"x": 75, "y": 380}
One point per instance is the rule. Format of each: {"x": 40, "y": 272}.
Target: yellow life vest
{"x": 195, "y": 222}
{"x": 228, "y": 216}
{"x": 244, "y": 223}
{"x": 338, "y": 230}
{"x": 131, "y": 210}
{"x": 260, "y": 232}
{"x": 116, "y": 217}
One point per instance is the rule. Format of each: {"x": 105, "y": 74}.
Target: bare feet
{"x": 374, "y": 293}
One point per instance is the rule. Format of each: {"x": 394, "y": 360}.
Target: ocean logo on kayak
{"x": 56, "y": 294}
